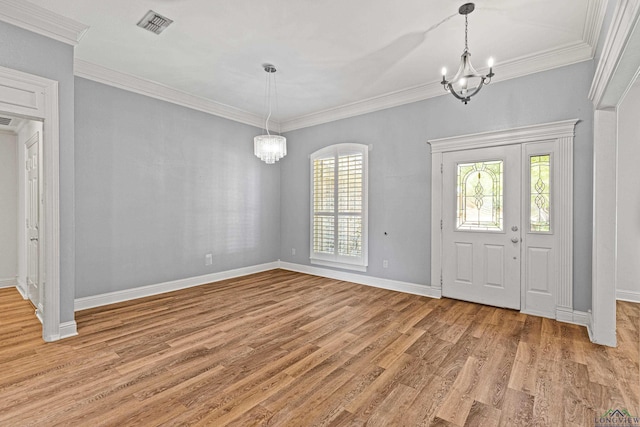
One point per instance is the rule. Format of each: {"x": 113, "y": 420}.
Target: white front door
{"x": 481, "y": 237}
{"x": 33, "y": 219}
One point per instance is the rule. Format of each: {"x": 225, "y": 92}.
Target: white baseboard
{"x": 564, "y": 315}
{"x": 22, "y": 288}
{"x": 8, "y": 282}
{"x": 68, "y": 329}
{"x": 393, "y": 285}
{"x": 160, "y": 288}
{"x": 539, "y": 313}
{"x": 573, "y": 316}
{"x": 582, "y": 318}
{"x": 631, "y": 296}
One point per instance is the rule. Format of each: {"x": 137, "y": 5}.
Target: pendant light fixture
{"x": 270, "y": 148}
{"x": 467, "y": 82}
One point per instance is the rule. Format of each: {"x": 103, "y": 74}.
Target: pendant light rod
{"x": 270, "y": 69}
{"x": 270, "y": 148}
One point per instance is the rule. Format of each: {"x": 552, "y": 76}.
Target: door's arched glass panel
{"x": 540, "y": 193}
{"x": 479, "y": 197}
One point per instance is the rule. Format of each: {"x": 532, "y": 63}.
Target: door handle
{"x": 515, "y": 239}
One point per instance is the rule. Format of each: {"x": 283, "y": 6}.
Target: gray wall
{"x": 31, "y": 53}
{"x": 8, "y": 208}
{"x": 400, "y": 167}
{"x": 158, "y": 186}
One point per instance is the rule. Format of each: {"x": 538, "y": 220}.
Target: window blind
{"x": 339, "y": 204}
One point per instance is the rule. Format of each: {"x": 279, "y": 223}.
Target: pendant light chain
{"x": 466, "y": 32}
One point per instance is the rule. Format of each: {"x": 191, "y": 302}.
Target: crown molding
{"x": 541, "y": 61}
{"x": 42, "y": 21}
{"x": 159, "y": 91}
{"x": 530, "y": 64}
{"x": 596, "y": 11}
{"x": 623, "y": 24}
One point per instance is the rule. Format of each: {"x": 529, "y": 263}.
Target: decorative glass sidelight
{"x": 540, "y": 193}
{"x": 480, "y": 196}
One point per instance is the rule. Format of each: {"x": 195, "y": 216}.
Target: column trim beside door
{"x": 562, "y": 133}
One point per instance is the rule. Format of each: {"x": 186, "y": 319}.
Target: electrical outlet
{"x": 385, "y": 264}
{"x": 208, "y": 259}
{"x": 293, "y": 251}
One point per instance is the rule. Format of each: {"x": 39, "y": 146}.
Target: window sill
{"x": 342, "y": 265}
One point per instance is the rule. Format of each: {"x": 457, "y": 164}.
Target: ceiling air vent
{"x": 5, "y": 121}
{"x": 154, "y": 22}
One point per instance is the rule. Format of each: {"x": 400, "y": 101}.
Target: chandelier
{"x": 467, "y": 82}
{"x": 270, "y": 148}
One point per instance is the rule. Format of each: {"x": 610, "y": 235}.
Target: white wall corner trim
{"x": 8, "y": 282}
{"x": 41, "y": 21}
{"x": 393, "y": 285}
{"x": 100, "y": 74}
{"x": 631, "y": 296}
{"x": 160, "y": 288}
{"x": 615, "y": 73}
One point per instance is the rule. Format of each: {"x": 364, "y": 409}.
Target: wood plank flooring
{"x": 286, "y": 349}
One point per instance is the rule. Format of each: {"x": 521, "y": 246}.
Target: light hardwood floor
{"x": 286, "y": 349}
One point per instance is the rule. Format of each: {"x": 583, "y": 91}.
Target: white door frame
{"x": 34, "y": 97}
{"x": 561, "y": 132}
{"x": 617, "y": 69}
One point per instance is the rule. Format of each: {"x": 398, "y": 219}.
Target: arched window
{"x": 339, "y": 206}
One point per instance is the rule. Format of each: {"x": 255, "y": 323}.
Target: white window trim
{"x": 337, "y": 261}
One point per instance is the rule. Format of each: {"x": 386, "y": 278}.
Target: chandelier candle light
{"x": 270, "y": 148}
{"x": 467, "y": 82}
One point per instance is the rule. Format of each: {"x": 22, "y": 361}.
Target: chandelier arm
{"x": 467, "y": 97}
{"x": 455, "y": 94}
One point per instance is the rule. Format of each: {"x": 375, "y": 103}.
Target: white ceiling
{"x": 335, "y": 58}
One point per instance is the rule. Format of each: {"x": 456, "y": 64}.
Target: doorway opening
{"x": 35, "y": 98}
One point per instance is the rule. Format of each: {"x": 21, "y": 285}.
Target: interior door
{"x": 33, "y": 219}
{"x": 481, "y": 225}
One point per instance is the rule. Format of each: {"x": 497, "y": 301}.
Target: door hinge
{"x": 440, "y": 279}
{"x": 440, "y": 224}
{"x": 441, "y": 168}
